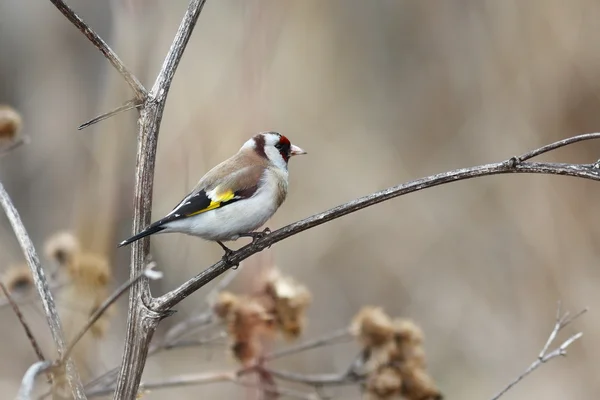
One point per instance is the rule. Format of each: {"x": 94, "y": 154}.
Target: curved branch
{"x": 168, "y": 300}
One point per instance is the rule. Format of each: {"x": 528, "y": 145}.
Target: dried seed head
{"x": 373, "y": 327}
{"x": 225, "y": 303}
{"x": 406, "y": 332}
{"x": 418, "y": 385}
{"x": 18, "y": 279}
{"x": 90, "y": 270}
{"x": 62, "y": 247}
{"x": 290, "y": 301}
{"x": 248, "y": 324}
{"x": 384, "y": 383}
{"x": 10, "y": 123}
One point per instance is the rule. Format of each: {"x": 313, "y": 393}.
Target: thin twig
{"x": 544, "y": 356}
{"x": 28, "y": 332}
{"x": 148, "y": 272}
{"x": 142, "y": 321}
{"x": 39, "y": 279}
{"x": 309, "y": 345}
{"x": 134, "y": 83}
{"x": 557, "y": 144}
{"x": 28, "y": 381}
{"x": 130, "y": 105}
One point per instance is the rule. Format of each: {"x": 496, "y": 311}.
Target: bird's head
{"x": 275, "y": 147}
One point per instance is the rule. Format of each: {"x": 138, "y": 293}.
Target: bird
{"x": 234, "y": 198}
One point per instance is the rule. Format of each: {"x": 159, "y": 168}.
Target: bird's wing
{"x": 216, "y": 193}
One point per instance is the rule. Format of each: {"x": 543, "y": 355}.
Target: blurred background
{"x": 378, "y": 93}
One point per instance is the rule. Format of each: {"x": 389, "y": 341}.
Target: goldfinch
{"x": 236, "y": 197}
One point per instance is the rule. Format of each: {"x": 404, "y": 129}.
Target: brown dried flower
{"x": 18, "y": 279}
{"x": 394, "y": 354}
{"x": 62, "y": 247}
{"x": 90, "y": 270}
{"x": 418, "y": 385}
{"x": 372, "y": 327}
{"x": 10, "y": 123}
{"x": 383, "y": 384}
{"x": 290, "y": 300}
{"x": 248, "y": 323}
{"x": 225, "y": 303}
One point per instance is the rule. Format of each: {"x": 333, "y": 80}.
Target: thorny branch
{"x": 39, "y": 279}
{"x": 545, "y": 356}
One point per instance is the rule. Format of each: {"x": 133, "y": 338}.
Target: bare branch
{"x": 28, "y": 381}
{"x": 544, "y": 356}
{"x": 28, "y": 332}
{"x": 331, "y": 338}
{"x": 557, "y": 145}
{"x": 39, "y": 279}
{"x": 148, "y": 272}
{"x": 142, "y": 321}
{"x": 129, "y": 105}
{"x": 168, "y": 300}
{"x": 130, "y": 78}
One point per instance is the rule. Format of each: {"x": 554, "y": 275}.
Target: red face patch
{"x": 284, "y": 146}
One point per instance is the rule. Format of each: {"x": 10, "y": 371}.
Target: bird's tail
{"x": 154, "y": 228}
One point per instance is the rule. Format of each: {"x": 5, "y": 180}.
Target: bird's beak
{"x": 296, "y": 151}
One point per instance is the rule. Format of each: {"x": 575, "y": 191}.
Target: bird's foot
{"x": 227, "y": 256}
{"x": 256, "y": 235}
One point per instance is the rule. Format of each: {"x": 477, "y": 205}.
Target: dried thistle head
{"x": 406, "y": 332}
{"x": 10, "y": 123}
{"x": 248, "y": 323}
{"x": 225, "y": 303}
{"x": 18, "y": 279}
{"x": 418, "y": 385}
{"x": 372, "y": 327}
{"x": 62, "y": 247}
{"x": 290, "y": 300}
{"x": 383, "y": 384}
{"x": 90, "y": 270}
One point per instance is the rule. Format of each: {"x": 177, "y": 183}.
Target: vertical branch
{"x": 141, "y": 321}
{"x": 41, "y": 284}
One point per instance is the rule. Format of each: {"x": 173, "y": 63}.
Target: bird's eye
{"x": 278, "y": 146}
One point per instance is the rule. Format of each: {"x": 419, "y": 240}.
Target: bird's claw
{"x": 227, "y": 256}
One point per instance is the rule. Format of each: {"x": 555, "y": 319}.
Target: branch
{"x": 512, "y": 165}
{"x": 39, "y": 279}
{"x": 142, "y": 321}
{"x": 544, "y": 356}
{"x": 134, "y": 83}
{"x": 28, "y": 332}
{"x": 129, "y": 105}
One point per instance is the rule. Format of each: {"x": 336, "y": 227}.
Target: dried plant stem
{"x": 39, "y": 279}
{"x": 141, "y": 321}
{"x": 132, "y": 81}
{"x": 19, "y": 314}
{"x": 545, "y": 356}
{"x": 129, "y": 105}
